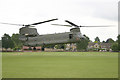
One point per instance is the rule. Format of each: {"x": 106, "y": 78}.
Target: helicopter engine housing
{"x": 28, "y": 32}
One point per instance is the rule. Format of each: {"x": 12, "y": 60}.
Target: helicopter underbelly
{"x": 51, "y": 39}
{"x": 40, "y": 43}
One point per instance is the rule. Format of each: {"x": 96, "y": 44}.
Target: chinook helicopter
{"x": 30, "y": 37}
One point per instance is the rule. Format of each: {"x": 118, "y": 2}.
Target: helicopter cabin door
{"x": 70, "y": 36}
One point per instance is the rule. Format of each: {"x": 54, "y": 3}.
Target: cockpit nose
{"x": 82, "y": 37}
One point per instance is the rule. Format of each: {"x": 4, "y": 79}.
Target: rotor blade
{"x": 98, "y": 26}
{"x": 62, "y": 25}
{"x": 41, "y": 22}
{"x": 71, "y": 23}
{"x": 12, "y": 24}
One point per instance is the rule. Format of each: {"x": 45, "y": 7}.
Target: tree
{"x": 7, "y": 42}
{"x": 115, "y": 47}
{"x": 97, "y": 39}
{"x": 110, "y": 40}
{"x": 0, "y": 44}
{"x": 118, "y": 37}
{"x": 103, "y": 41}
{"x": 82, "y": 44}
{"x": 17, "y": 43}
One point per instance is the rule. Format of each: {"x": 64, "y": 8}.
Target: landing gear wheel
{"x": 34, "y": 48}
{"x": 43, "y": 48}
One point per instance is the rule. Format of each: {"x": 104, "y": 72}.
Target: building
{"x": 92, "y": 45}
{"x": 106, "y": 46}
{"x": 71, "y": 47}
{"x": 27, "y": 48}
{"x": 99, "y": 46}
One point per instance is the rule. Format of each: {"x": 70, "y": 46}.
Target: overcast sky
{"x": 80, "y": 12}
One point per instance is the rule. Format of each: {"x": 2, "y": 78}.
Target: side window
{"x": 70, "y": 36}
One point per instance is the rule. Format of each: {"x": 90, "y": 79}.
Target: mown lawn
{"x": 60, "y": 65}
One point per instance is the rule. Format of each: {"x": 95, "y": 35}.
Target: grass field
{"x": 60, "y": 65}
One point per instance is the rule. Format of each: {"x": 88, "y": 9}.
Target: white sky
{"x": 80, "y": 12}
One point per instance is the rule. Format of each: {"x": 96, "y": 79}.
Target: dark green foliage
{"x": 0, "y": 44}
{"x": 7, "y": 42}
{"x": 103, "y": 41}
{"x": 18, "y": 44}
{"x": 110, "y": 40}
{"x": 11, "y": 42}
{"x": 82, "y": 44}
{"x": 118, "y": 42}
{"x": 115, "y": 47}
{"x": 97, "y": 39}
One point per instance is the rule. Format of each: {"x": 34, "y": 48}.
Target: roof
{"x": 103, "y": 45}
{"x": 92, "y": 44}
{"x": 106, "y": 45}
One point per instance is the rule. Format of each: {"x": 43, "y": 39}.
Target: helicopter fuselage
{"x": 49, "y": 39}
{"x": 58, "y": 38}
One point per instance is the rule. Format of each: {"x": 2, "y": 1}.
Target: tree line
{"x": 14, "y": 43}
